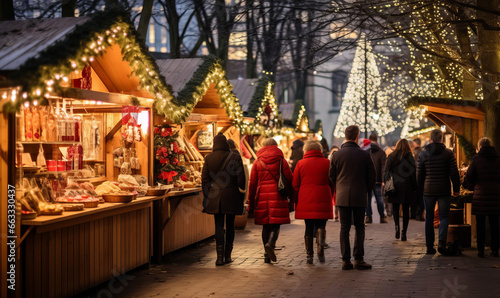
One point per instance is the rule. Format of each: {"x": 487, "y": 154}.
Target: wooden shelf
{"x": 47, "y": 143}
{"x": 94, "y": 161}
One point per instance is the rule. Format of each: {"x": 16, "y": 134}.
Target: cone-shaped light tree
{"x": 370, "y": 113}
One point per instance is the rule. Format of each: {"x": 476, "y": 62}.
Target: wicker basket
{"x": 118, "y": 198}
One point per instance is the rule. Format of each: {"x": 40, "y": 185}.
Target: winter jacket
{"x": 312, "y": 187}
{"x": 297, "y": 152}
{"x": 353, "y": 174}
{"x": 268, "y": 206}
{"x": 378, "y": 157}
{"x": 403, "y": 171}
{"x": 224, "y": 195}
{"x": 483, "y": 177}
{"x": 436, "y": 166}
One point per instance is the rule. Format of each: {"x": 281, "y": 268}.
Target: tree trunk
{"x": 251, "y": 62}
{"x": 68, "y": 8}
{"x": 7, "y": 10}
{"x": 489, "y": 50}
{"x": 173, "y": 29}
{"x": 147, "y": 8}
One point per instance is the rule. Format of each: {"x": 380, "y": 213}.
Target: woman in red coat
{"x": 313, "y": 196}
{"x": 269, "y": 207}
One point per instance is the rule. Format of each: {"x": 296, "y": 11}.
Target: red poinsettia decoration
{"x": 268, "y": 110}
{"x": 184, "y": 177}
{"x": 167, "y": 132}
{"x": 167, "y": 175}
{"x": 157, "y": 130}
{"x": 163, "y": 161}
{"x": 175, "y": 162}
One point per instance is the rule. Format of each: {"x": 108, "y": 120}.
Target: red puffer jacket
{"x": 265, "y": 202}
{"x": 313, "y": 194}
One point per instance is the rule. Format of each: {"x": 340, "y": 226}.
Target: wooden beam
{"x": 112, "y": 132}
{"x": 453, "y": 122}
{"x": 116, "y": 98}
{"x": 464, "y": 112}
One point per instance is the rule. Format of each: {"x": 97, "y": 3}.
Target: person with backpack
{"x": 269, "y": 207}
{"x": 223, "y": 185}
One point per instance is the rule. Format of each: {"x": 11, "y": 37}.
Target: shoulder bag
{"x": 284, "y": 186}
{"x": 389, "y": 188}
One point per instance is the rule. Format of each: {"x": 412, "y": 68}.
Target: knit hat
{"x": 220, "y": 142}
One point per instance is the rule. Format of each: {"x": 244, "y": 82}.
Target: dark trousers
{"x": 481, "y": 231}
{"x": 444, "y": 213}
{"x": 349, "y": 215}
{"x": 406, "y": 214}
{"x": 219, "y": 228}
{"x": 377, "y": 192}
{"x": 313, "y": 224}
{"x": 417, "y": 206}
{"x": 269, "y": 229}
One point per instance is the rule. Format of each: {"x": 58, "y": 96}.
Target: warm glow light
{"x": 143, "y": 120}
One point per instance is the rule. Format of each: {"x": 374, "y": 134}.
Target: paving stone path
{"x": 400, "y": 269}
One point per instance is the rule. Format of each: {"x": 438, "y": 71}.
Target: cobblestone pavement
{"x": 400, "y": 269}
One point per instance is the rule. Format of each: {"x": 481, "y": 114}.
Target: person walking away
{"x": 401, "y": 166}
{"x": 297, "y": 153}
{"x": 417, "y": 205}
{"x": 268, "y": 206}
{"x": 353, "y": 174}
{"x": 378, "y": 157}
{"x": 232, "y": 146}
{"x": 223, "y": 184}
{"x": 483, "y": 177}
{"x": 436, "y": 166}
{"x": 313, "y": 197}
{"x": 335, "y": 209}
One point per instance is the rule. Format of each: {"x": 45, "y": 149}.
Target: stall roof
{"x": 244, "y": 90}
{"x": 199, "y": 85}
{"x": 24, "y": 39}
{"x": 41, "y": 57}
{"x": 471, "y": 109}
{"x": 178, "y": 71}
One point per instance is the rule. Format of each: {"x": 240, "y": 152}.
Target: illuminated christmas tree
{"x": 354, "y": 104}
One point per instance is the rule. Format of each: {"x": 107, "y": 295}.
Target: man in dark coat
{"x": 353, "y": 174}
{"x": 378, "y": 157}
{"x": 436, "y": 166}
{"x": 417, "y": 205}
{"x": 483, "y": 177}
{"x": 223, "y": 183}
{"x": 297, "y": 153}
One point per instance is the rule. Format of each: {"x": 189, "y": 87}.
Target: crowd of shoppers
{"x": 339, "y": 183}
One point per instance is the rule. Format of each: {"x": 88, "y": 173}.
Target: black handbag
{"x": 284, "y": 186}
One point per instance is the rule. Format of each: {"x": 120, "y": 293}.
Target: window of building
{"x": 151, "y": 34}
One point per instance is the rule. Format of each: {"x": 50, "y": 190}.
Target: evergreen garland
{"x": 167, "y": 166}
{"x": 416, "y": 101}
{"x": 468, "y": 147}
{"x": 258, "y": 96}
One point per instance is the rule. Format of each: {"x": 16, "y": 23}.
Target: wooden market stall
{"x": 463, "y": 124}
{"x": 203, "y": 105}
{"x": 96, "y": 67}
{"x": 263, "y": 119}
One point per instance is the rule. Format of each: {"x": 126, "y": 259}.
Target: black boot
{"x": 442, "y": 247}
{"x": 266, "y": 258}
{"x": 220, "y": 255}
{"x": 309, "y": 242}
{"x": 271, "y": 244}
{"x": 227, "y": 253}
{"x": 430, "y": 249}
{"x": 320, "y": 239}
{"x": 403, "y": 235}
{"x": 397, "y": 231}
{"x": 324, "y": 244}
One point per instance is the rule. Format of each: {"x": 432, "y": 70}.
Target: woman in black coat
{"x": 223, "y": 183}
{"x": 483, "y": 177}
{"x": 401, "y": 165}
